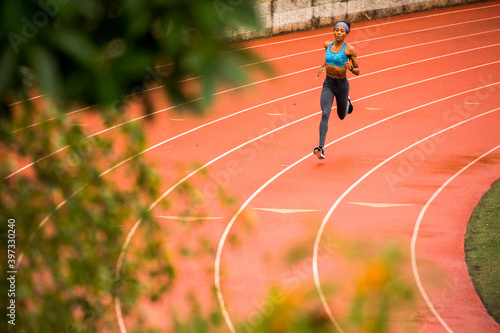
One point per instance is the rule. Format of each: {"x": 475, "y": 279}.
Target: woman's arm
{"x": 321, "y": 69}
{"x": 352, "y": 66}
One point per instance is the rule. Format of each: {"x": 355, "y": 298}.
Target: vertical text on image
{"x": 11, "y": 272}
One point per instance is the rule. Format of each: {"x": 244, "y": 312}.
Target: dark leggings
{"x": 338, "y": 88}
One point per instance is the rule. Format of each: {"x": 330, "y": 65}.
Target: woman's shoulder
{"x": 349, "y": 49}
{"x": 327, "y": 43}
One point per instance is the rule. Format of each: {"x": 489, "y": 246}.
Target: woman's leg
{"x": 342, "y": 95}
{"x": 326, "y": 102}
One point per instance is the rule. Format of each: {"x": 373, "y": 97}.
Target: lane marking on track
{"x": 287, "y": 210}
{"x": 337, "y": 202}
{"x": 357, "y": 29}
{"x": 224, "y": 236}
{"x": 377, "y": 53}
{"x": 428, "y": 29}
{"x": 362, "y": 56}
{"x": 380, "y": 205}
{"x": 254, "y": 107}
{"x": 28, "y": 99}
{"x": 368, "y": 26}
{"x": 415, "y": 236}
{"x": 191, "y": 218}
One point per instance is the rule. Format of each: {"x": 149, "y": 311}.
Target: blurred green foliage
{"x": 71, "y": 218}
{"x": 71, "y": 222}
{"x": 99, "y": 51}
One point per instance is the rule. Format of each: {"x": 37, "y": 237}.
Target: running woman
{"x": 339, "y": 58}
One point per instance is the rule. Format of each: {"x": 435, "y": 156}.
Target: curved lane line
{"x": 415, "y": 235}
{"x": 245, "y": 204}
{"x": 337, "y": 202}
{"x": 370, "y": 26}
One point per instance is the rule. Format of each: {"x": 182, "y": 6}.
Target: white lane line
{"x": 415, "y": 236}
{"x": 50, "y": 119}
{"x": 222, "y": 241}
{"x": 369, "y": 26}
{"x": 29, "y": 165}
{"x": 357, "y": 29}
{"x": 381, "y": 52}
{"x": 380, "y": 205}
{"x": 433, "y": 28}
{"x": 337, "y": 202}
{"x": 191, "y": 218}
{"x": 287, "y": 210}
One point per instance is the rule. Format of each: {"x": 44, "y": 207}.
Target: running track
{"x": 409, "y": 165}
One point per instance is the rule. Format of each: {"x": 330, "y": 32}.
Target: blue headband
{"x": 342, "y": 24}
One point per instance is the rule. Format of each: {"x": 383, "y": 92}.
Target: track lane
{"x": 463, "y": 301}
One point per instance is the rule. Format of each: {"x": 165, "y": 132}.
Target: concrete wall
{"x": 285, "y": 16}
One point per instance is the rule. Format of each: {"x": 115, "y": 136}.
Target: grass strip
{"x": 482, "y": 250}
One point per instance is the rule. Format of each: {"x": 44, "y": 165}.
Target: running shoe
{"x": 319, "y": 152}
{"x": 350, "y": 105}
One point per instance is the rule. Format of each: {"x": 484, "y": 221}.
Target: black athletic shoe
{"x": 350, "y": 105}
{"x": 319, "y": 152}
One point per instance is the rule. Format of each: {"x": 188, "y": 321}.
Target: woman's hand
{"x": 319, "y": 72}
{"x": 348, "y": 65}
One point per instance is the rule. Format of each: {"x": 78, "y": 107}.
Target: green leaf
{"x": 7, "y": 68}
{"x": 45, "y": 67}
{"x": 75, "y": 45}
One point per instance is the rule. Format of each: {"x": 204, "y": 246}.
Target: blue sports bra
{"x": 336, "y": 59}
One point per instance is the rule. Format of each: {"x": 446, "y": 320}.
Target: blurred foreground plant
{"x": 71, "y": 216}
{"x": 98, "y": 52}
{"x": 380, "y": 298}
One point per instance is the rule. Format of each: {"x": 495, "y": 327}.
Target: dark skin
{"x": 350, "y": 65}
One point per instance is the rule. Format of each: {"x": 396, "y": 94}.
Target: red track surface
{"x": 426, "y": 114}
{"x": 420, "y": 74}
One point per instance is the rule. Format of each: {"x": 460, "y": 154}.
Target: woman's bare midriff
{"x": 336, "y": 72}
